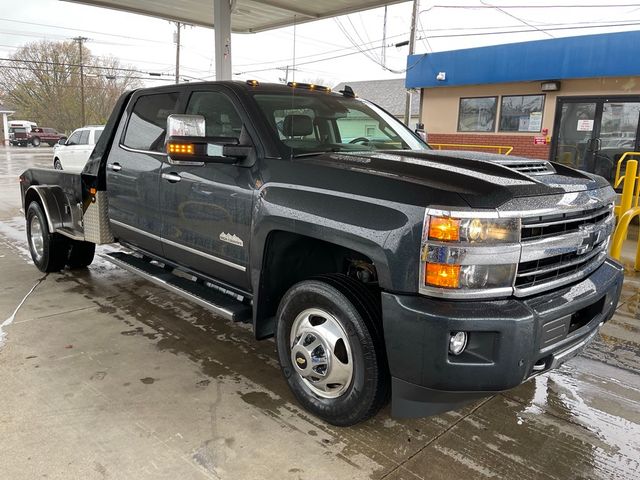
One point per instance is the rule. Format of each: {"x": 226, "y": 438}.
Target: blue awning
{"x": 589, "y": 56}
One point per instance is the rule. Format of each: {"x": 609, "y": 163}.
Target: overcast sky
{"x": 147, "y": 43}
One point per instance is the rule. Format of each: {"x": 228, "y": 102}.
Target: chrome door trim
{"x": 135, "y": 150}
{"x": 183, "y": 247}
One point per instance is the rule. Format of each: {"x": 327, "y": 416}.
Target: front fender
{"x": 388, "y": 233}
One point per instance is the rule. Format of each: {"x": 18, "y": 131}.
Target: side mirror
{"x": 186, "y": 142}
{"x": 62, "y": 141}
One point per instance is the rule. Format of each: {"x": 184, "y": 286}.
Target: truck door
{"x": 133, "y": 170}
{"x": 206, "y": 208}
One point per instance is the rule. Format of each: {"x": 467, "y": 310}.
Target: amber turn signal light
{"x": 184, "y": 148}
{"x": 444, "y": 228}
{"x": 442, "y": 275}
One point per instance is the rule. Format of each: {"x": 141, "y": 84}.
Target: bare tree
{"x": 42, "y": 81}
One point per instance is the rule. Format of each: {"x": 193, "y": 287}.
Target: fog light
{"x": 457, "y": 342}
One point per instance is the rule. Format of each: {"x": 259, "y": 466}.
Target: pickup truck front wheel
{"x": 330, "y": 351}
{"x": 49, "y": 251}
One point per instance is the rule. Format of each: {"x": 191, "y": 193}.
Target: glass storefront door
{"x": 591, "y": 133}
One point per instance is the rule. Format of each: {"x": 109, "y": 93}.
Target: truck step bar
{"x": 218, "y": 302}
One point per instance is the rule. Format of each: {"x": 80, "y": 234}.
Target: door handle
{"x": 115, "y": 167}
{"x": 172, "y": 177}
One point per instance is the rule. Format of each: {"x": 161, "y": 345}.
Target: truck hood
{"x": 482, "y": 180}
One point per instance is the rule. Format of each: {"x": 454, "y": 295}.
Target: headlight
{"x": 469, "y": 255}
{"x": 474, "y": 230}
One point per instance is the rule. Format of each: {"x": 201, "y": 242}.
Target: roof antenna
{"x": 348, "y": 92}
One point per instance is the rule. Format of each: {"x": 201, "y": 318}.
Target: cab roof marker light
{"x": 309, "y": 86}
{"x": 253, "y": 83}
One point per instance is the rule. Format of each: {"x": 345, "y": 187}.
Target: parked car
{"x": 23, "y": 135}
{"x": 382, "y": 267}
{"x": 19, "y": 130}
{"x": 46, "y": 135}
{"x": 73, "y": 153}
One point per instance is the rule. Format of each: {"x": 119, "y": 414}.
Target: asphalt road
{"x": 104, "y": 375}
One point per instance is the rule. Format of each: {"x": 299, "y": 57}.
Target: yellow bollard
{"x": 628, "y": 187}
{"x": 620, "y": 235}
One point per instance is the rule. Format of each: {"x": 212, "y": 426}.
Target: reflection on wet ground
{"x": 134, "y": 382}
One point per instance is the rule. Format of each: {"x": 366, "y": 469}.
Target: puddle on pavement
{"x": 604, "y": 409}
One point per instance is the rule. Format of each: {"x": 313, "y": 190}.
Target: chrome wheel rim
{"x": 321, "y": 353}
{"x": 36, "y": 238}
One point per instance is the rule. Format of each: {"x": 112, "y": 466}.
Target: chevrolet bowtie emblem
{"x": 591, "y": 236}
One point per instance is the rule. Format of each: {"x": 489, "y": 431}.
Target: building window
{"x": 521, "y": 113}
{"x": 477, "y": 114}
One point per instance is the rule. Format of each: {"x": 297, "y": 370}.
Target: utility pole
{"x": 177, "y": 42}
{"x": 384, "y": 38}
{"x": 412, "y": 45}
{"x": 80, "y": 41}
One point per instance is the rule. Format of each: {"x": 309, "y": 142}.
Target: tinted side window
{"x": 148, "y": 122}
{"x": 84, "y": 137}
{"x": 221, "y": 117}
{"x": 74, "y": 139}
{"x": 96, "y": 135}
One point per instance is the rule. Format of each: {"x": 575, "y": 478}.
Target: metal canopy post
{"x": 222, "y": 38}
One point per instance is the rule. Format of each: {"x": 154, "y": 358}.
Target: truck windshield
{"x": 308, "y": 124}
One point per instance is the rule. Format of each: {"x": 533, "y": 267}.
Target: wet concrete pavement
{"x": 104, "y": 375}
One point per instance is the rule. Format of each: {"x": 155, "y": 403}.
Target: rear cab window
{"x": 147, "y": 123}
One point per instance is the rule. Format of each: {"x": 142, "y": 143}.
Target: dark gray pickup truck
{"x": 382, "y": 267}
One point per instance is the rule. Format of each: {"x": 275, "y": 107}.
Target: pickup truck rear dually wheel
{"x": 330, "y": 353}
{"x": 80, "y": 254}
{"x": 49, "y": 251}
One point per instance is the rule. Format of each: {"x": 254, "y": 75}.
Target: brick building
{"x": 575, "y": 100}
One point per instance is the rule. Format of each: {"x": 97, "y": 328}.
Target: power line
{"x": 63, "y": 64}
{"x": 502, "y": 10}
{"x": 579, "y": 27}
{"x": 108, "y": 34}
{"x": 548, "y": 6}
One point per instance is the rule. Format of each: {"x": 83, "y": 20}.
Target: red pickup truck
{"x": 37, "y": 135}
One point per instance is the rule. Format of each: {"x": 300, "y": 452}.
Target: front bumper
{"x": 510, "y": 340}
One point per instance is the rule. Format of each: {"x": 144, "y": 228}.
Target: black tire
{"x": 357, "y": 311}
{"x": 54, "y": 249}
{"x": 57, "y": 164}
{"x": 35, "y": 141}
{"x": 80, "y": 254}
{"x": 51, "y": 144}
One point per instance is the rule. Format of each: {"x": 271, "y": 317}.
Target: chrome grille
{"x": 549, "y": 225}
{"x": 560, "y": 248}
